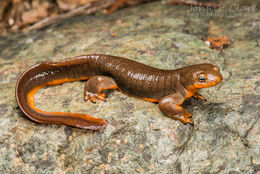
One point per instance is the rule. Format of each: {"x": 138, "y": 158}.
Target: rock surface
{"x": 138, "y": 139}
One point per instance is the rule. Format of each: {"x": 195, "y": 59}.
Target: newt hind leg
{"x": 95, "y": 88}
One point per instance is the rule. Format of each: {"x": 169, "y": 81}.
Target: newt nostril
{"x": 216, "y": 68}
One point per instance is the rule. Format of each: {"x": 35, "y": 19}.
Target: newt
{"x": 168, "y": 88}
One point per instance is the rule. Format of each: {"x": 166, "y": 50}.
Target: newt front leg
{"x": 171, "y": 106}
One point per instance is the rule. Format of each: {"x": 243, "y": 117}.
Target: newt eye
{"x": 202, "y": 78}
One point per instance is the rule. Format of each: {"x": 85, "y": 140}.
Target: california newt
{"x": 169, "y": 88}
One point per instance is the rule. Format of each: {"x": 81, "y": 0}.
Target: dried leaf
{"x": 218, "y": 43}
{"x": 37, "y": 13}
{"x": 72, "y": 4}
{"x": 3, "y": 6}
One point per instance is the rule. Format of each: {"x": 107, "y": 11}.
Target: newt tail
{"x": 46, "y": 74}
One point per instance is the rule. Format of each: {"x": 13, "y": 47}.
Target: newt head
{"x": 199, "y": 76}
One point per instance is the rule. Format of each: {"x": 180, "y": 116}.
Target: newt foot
{"x": 185, "y": 117}
{"x": 198, "y": 96}
{"x": 93, "y": 97}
